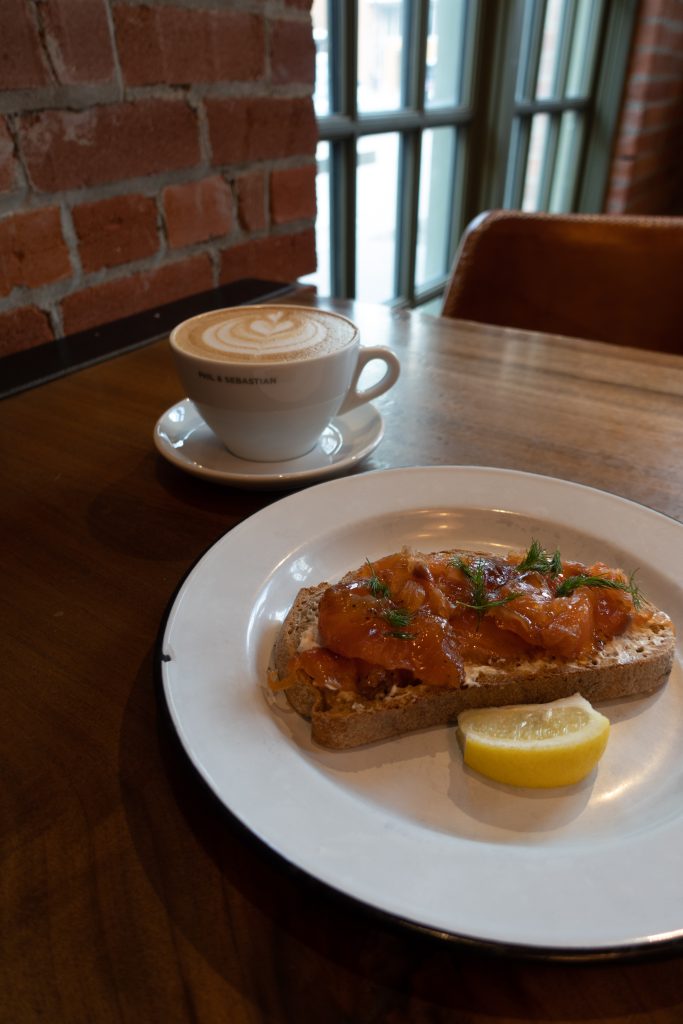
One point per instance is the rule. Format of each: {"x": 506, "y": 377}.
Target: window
{"x": 430, "y": 111}
{"x": 554, "y": 88}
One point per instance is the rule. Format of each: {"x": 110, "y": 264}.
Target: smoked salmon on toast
{"x": 410, "y": 640}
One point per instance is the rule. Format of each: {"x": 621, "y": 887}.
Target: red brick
{"x": 666, "y": 178}
{"x": 292, "y": 52}
{"x": 229, "y": 129}
{"x": 655, "y": 193}
{"x": 32, "y": 249}
{"x": 647, "y": 33}
{"x": 626, "y": 145}
{"x": 647, "y": 163}
{"x": 116, "y": 230}
{"x": 669, "y": 9}
{"x": 250, "y": 190}
{"x": 303, "y": 5}
{"x": 23, "y": 328}
{"x": 646, "y": 203}
{"x": 278, "y": 257}
{"x": 8, "y": 164}
{"x": 647, "y": 61}
{"x": 620, "y": 174}
{"x": 292, "y": 194}
{"x": 659, "y": 141}
{"x": 125, "y": 296}
{"x": 171, "y": 45}
{"x": 260, "y": 128}
{"x": 653, "y": 31}
{"x": 197, "y": 211}
{"x": 79, "y": 40}
{"x": 71, "y": 149}
{"x": 639, "y": 116}
{"x": 616, "y": 200}
{"x": 654, "y": 90}
{"x": 22, "y": 61}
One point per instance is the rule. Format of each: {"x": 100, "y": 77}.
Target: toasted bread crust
{"x": 635, "y": 663}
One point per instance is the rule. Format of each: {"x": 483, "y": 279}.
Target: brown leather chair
{"x": 610, "y": 278}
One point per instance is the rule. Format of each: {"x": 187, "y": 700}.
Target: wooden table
{"x": 128, "y": 894}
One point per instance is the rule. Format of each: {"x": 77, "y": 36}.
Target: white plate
{"x": 182, "y": 437}
{"x": 402, "y": 825}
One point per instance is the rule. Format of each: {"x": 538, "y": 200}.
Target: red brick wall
{"x": 647, "y": 168}
{"x": 147, "y": 152}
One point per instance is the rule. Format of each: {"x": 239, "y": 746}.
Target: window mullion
{"x": 567, "y": 32}
{"x": 338, "y": 126}
{"x": 408, "y": 204}
{"x": 413, "y": 90}
{"x": 579, "y": 104}
{"x": 590, "y": 22}
{"x": 343, "y": 217}
{"x": 497, "y": 37}
{"x": 559, "y": 90}
{"x": 549, "y": 161}
{"x": 458, "y": 192}
{"x": 415, "y": 55}
{"x": 609, "y": 81}
{"x": 520, "y": 138}
{"x": 530, "y": 56}
{"x": 492, "y": 120}
{"x": 343, "y": 169}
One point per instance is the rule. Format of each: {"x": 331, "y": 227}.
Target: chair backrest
{"x": 610, "y": 278}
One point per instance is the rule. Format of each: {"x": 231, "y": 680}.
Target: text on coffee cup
{"x": 225, "y": 379}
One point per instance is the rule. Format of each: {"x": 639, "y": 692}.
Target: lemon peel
{"x": 535, "y": 745}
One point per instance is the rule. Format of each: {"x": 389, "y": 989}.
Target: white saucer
{"x": 182, "y": 437}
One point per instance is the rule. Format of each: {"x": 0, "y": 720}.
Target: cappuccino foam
{"x": 252, "y": 334}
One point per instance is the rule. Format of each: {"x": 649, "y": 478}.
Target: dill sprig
{"x": 537, "y": 559}
{"x": 377, "y": 587}
{"x": 475, "y": 573}
{"x": 397, "y": 617}
{"x": 572, "y": 583}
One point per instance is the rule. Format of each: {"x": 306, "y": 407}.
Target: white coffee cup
{"x": 267, "y": 379}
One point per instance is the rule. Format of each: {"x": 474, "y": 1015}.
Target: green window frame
{"x": 531, "y": 115}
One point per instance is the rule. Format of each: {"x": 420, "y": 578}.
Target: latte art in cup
{"x": 268, "y": 379}
{"x": 265, "y": 334}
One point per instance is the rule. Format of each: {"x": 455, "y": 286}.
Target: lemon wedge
{"x": 536, "y": 745}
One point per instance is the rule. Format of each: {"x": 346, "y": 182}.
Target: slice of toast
{"x": 634, "y": 663}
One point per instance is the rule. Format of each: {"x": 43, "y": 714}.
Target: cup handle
{"x": 365, "y": 355}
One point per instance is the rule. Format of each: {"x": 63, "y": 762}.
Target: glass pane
{"x": 432, "y": 308}
{"x": 551, "y": 48}
{"x": 584, "y": 47}
{"x": 322, "y": 278}
{"x": 435, "y": 203}
{"x": 510, "y": 200}
{"x": 533, "y": 179}
{"x": 445, "y": 51}
{"x": 380, "y": 50}
{"x": 322, "y": 95}
{"x": 377, "y": 177}
{"x": 567, "y": 164}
